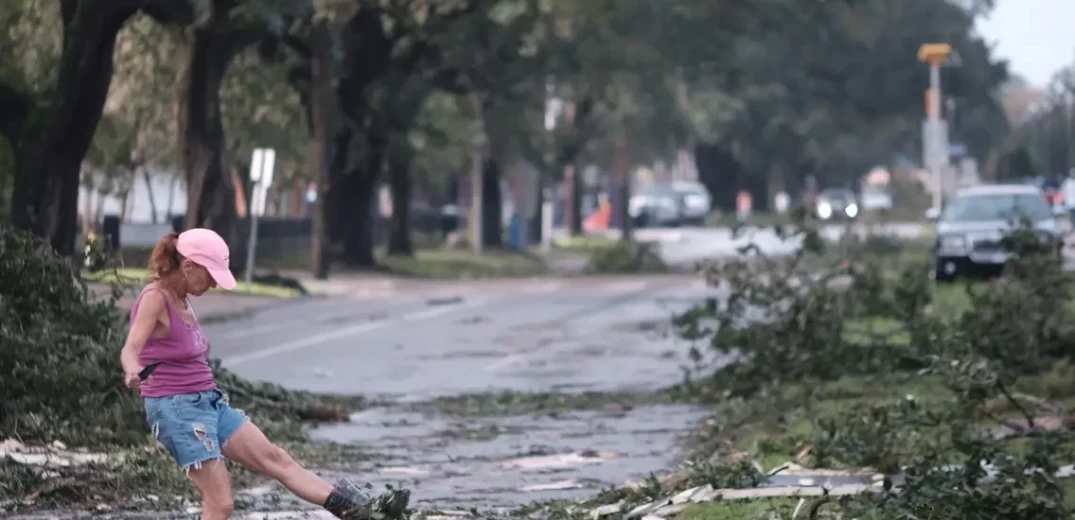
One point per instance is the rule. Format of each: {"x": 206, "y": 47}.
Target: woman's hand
{"x": 132, "y": 380}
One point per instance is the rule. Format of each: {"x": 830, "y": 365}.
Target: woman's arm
{"x": 150, "y": 306}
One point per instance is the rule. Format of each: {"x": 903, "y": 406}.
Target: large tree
{"x": 49, "y": 130}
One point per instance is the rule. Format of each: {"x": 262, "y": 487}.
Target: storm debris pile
{"x": 61, "y": 382}
{"x": 892, "y": 374}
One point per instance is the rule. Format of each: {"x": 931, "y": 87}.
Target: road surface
{"x": 422, "y": 340}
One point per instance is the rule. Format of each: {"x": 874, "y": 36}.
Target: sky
{"x": 1037, "y": 37}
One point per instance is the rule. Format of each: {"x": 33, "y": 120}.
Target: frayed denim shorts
{"x": 193, "y": 427}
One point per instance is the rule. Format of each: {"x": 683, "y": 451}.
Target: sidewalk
{"x": 212, "y": 307}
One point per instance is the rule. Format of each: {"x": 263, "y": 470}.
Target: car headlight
{"x": 852, "y": 210}
{"x": 953, "y": 243}
{"x": 824, "y": 210}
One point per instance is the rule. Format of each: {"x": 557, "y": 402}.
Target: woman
{"x": 186, "y": 411}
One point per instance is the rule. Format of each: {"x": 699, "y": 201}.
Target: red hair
{"x": 164, "y": 261}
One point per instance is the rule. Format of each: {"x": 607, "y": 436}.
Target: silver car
{"x": 970, "y": 229}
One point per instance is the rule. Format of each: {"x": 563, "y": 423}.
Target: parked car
{"x": 657, "y": 206}
{"x": 970, "y": 229}
{"x": 876, "y": 199}
{"x": 696, "y": 201}
{"x": 836, "y": 204}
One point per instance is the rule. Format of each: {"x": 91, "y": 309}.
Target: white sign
{"x": 262, "y": 166}
{"x": 782, "y": 202}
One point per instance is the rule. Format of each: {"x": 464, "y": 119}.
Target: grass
{"x": 458, "y": 263}
{"x": 134, "y": 276}
{"x": 584, "y": 243}
{"x": 765, "y": 509}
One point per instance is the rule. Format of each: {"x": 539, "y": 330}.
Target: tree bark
{"x": 352, "y": 206}
{"x": 357, "y": 221}
{"x": 171, "y": 198}
{"x": 45, "y": 193}
{"x": 149, "y": 193}
{"x": 399, "y": 235}
{"x": 492, "y": 205}
{"x": 621, "y": 169}
{"x": 573, "y": 184}
{"x": 539, "y": 202}
{"x": 210, "y": 193}
{"x": 321, "y": 130}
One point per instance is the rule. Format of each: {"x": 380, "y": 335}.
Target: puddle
{"x": 511, "y": 461}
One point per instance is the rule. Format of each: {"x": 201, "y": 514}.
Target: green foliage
{"x": 60, "y": 353}
{"x": 626, "y": 257}
{"x": 59, "y": 361}
{"x": 798, "y": 333}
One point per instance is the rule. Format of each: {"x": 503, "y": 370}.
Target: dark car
{"x": 836, "y": 204}
{"x": 970, "y": 230}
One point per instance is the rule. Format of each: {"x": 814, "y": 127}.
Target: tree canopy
{"x": 358, "y": 93}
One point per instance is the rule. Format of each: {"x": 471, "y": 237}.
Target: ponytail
{"x": 165, "y": 258}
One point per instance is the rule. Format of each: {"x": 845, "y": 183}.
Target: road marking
{"x": 355, "y": 330}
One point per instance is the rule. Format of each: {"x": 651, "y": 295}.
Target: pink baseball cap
{"x": 205, "y": 248}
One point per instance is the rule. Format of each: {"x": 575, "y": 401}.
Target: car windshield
{"x": 1000, "y": 206}
{"x": 837, "y": 195}
{"x": 658, "y": 191}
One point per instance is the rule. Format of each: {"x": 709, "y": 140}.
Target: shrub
{"x": 59, "y": 360}
{"x": 626, "y": 257}
{"x": 800, "y": 325}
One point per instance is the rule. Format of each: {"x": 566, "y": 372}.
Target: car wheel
{"x": 939, "y": 276}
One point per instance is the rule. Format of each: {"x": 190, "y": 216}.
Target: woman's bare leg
{"x": 213, "y": 482}
{"x": 249, "y": 447}
{"x": 345, "y": 500}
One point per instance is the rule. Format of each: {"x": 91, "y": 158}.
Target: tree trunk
{"x": 45, "y": 194}
{"x": 171, "y": 198}
{"x": 352, "y": 207}
{"x": 321, "y": 130}
{"x": 210, "y": 192}
{"x": 357, "y": 221}
{"x": 573, "y": 183}
{"x": 399, "y": 235}
{"x": 719, "y": 172}
{"x": 149, "y": 193}
{"x": 492, "y": 205}
{"x": 621, "y": 169}
{"x": 539, "y": 202}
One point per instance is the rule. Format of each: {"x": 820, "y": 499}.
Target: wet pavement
{"x": 510, "y": 461}
{"x": 424, "y": 341}
{"x": 450, "y": 339}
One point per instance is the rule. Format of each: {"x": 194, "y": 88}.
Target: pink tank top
{"x": 182, "y": 354}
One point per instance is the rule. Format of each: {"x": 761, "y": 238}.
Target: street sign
{"x": 262, "y": 166}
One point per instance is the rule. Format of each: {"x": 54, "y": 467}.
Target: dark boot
{"x": 348, "y": 501}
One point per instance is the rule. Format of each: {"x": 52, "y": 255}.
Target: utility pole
{"x": 934, "y": 128}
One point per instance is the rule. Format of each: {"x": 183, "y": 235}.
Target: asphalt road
{"x": 417, "y": 341}
{"x": 443, "y": 339}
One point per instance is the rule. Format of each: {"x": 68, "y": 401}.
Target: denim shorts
{"x": 193, "y": 427}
